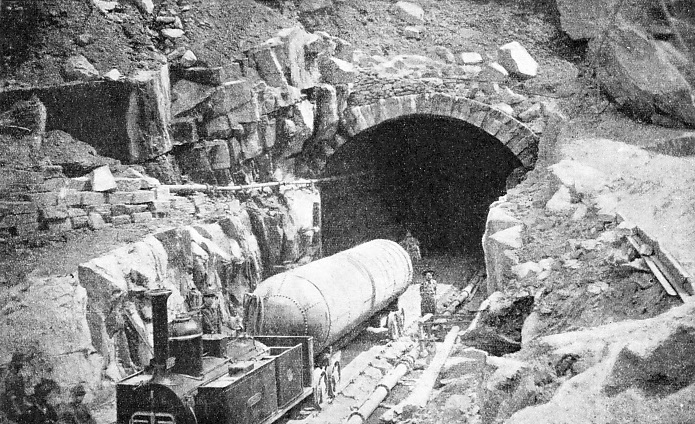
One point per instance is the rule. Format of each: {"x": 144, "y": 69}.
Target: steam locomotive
{"x": 298, "y": 318}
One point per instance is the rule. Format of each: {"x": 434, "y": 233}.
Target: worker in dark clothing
{"x": 42, "y": 404}
{"x": 428, "y": 293}
{"x": 76, "y": 412}
{"x": 14, "y": 396}
{"x": 211, "y": 314}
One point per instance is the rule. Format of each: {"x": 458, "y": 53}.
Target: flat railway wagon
{"x": 295, "y": 318}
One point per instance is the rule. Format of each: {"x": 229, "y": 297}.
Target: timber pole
{"x": 419, "y": 397}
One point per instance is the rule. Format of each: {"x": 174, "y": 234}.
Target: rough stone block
{"x": 17, "y": 208}
{"x": 121, "y": 220}
{"x": 104, "y": 210}
{"x": 121, "y": 209}
{"x": 102, "y": 180}
{"x": 182, "y": 204}
{"x": 80, "y": 222}
{"x": 51, "y": 213}
{"x": 58, "y": 225}
{"x": 186, "y": 95}
{"x": 160, "y": 207}
{"x": 76, "y": 212}
{"x": 142, "y": 217}
{"x": 95, "y": 221}
{"x": 69, "y": 197}
{"x": 122, "y": 197}
{"x": 78, "y": 184}
{"x": 409, "y": 12}
{"x": 247, "y": 112}
{"x": 183, "y": 131}
{"x": 11, "y": 221}
{"x": 515, "y": 59}
{"x": 337, "y": 71}
{"x": 128, "y": 184}
{"x": 218, "y": 153}
{"x": 218, "y": 127}
{"x": 229, "y": 96}
{"x": 267, "y": 64}
{"x": 142, "y": 196}
{"x": 52, "y": 184}
{"x": 42, "y": 199}
{"x": 161, "y": 193}
{"x": 213, "y": 76}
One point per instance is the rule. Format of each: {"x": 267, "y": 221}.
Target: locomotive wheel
{"x": 334, "y": 380}
{"x": 320, "y": 387}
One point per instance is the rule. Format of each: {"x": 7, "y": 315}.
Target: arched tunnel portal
{"x": 430, "y": 174}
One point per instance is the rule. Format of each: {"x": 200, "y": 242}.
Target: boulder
{"x": 337, "y": 71}
{"x": 444, "y": 54}
{"x": 314, "y": 5}
{"x": 469, "y": 58}
{"x": 515, "y": 59}
{"x": 638, "y": 75}
{"x": 188, "y": 59}
{"x": 102, "y": 180}
{"x": 78, "y": 68}
{"x": 186, "y": 95}
{"x": 409, "y": 12}
{"x": 172, "y": 33}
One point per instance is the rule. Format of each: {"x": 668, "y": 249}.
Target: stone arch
{"x": 516, "y": 136}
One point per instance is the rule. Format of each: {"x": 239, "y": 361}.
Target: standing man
{"x": 428, "y": 293}
{"x": 76, "y": 412}
{"x": 412, "y": 246}
{"x": 211, "y": 314}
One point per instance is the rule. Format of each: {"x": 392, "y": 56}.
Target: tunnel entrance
{"x": 432, "y": 175}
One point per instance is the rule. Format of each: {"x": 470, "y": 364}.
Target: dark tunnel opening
{"x": 431, "y": 175}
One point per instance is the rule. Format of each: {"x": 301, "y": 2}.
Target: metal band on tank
{"x": 330, "y": 321}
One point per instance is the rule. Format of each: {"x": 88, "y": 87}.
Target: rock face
{"x": 617, "y": 373}
{"x": 230, "y": 256}
{"x": 45, "y": 321}
{"x": 643, "y": 73}
{"x": 638, "y": 75}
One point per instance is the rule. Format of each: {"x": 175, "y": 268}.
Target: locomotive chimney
{"x": 160, "y": 328}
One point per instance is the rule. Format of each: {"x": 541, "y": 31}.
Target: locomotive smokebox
{"x": 160, "y": 329}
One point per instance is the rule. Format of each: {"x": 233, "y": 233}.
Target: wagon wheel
{"x": 334, "y": 380}
{"x": 320, "y": 387}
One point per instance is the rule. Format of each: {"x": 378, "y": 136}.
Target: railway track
{"x": 383, "y": 365}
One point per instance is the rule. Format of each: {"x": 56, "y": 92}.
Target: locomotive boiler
{"x": 299, "y": 315}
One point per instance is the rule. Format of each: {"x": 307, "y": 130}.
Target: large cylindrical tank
{"x": 327, "y": 298}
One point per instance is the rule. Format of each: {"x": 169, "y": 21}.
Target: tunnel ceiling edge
{"x": 520, "y": 139}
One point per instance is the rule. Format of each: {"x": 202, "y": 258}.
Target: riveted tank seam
{"x": 301, "y": 310}
{"x": 323, "y": 296}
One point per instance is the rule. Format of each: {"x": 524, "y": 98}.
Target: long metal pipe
{"x": 205, "y": 187}
{"x": 383, "y": 389}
